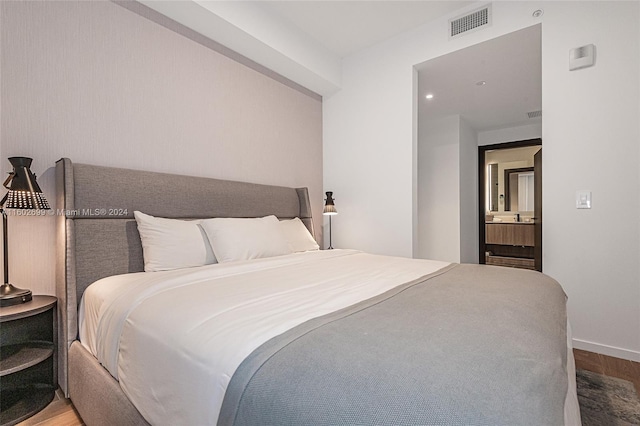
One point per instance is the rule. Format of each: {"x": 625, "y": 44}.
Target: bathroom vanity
{"x": 510, "y": 244}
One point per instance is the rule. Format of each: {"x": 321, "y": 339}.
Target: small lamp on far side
{"x": 24, "y": 194}
{"x": 329, "y": 210}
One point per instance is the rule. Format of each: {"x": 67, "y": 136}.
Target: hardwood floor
{"x": 609, "y": 366}
{"x": 61, "y": 412}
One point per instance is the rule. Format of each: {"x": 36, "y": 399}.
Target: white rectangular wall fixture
{"x": 582, "y": 57}
{"x": 583, "y": 199}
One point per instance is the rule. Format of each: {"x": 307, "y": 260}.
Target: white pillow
{"x": 172, "y": 244}
{"x": 298, "y": 236}
{"x": 242, "y": 239}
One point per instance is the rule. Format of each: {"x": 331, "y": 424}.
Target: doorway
{"x": 510, "y": 204}
{"x": 484, "y": 94}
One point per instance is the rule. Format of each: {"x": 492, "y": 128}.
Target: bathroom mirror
{"x": 509, "y": 180}
{"x": 518, "y": 189}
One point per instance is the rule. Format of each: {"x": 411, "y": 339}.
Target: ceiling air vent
{"x": 474, "y": 20}
{"x": 534, "y": 114}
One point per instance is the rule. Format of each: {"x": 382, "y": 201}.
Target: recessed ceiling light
{"x": 429, "y": 96}
{"x": 481, "y": 83}
{"x": 538, "y": 13}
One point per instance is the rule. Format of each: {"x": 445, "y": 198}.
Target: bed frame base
{"x": 96, "y": 395}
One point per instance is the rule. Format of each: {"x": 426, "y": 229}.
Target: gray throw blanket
{"x": 468, "y": 345}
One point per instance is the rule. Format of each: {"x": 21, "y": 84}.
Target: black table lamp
{"x": 24, "y": 194}
{"x": 329, "y": 210}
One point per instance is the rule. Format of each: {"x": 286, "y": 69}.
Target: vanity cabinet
{"x": 510, "y": 234}
{"x": 510, "y": 244}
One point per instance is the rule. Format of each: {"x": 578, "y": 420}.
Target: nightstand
{"x": 28, "y": 367}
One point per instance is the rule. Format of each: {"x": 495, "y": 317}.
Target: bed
{"x": 304, "y": 337}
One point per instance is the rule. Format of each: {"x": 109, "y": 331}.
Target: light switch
{"x": 583, "y": 199}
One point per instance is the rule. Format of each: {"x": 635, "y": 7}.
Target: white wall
{"x": 468, "y": 193}
{"x": 438, "y": 189}
{"x": 591, "y": 141}
{"x": 371, "y": 170}
{"x": 447, "y": 197}
{"x": 510, "y": 134}
{"x": 99, "y": 84}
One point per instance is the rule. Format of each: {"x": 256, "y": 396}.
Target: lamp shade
{"x": 329, "y": 206}
{"x": 24, "y": 191}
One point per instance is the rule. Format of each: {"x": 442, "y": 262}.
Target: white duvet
{"x": 174, "y": 339}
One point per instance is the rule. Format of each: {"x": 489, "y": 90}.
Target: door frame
{"x": 482, "y": 176}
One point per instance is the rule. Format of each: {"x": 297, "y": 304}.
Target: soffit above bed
{"x": 302, "y": 41}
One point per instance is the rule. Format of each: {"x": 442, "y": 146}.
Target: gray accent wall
{"x": 101, "y": 84}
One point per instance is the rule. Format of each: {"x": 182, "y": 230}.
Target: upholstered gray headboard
{"x": 98, "y": 236}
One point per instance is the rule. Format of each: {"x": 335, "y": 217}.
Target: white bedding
{"x": 174, "y": 357}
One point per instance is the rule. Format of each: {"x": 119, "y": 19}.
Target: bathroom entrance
{"x": 510, "y": 204}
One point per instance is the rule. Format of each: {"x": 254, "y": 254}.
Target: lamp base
{"x": 10, "y": 295}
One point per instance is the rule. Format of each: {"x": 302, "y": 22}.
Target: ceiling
{"x": 511, "y": 67}
{"x": 344, "y": 27}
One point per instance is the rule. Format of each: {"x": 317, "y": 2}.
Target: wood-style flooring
{"x": 609, "y": 366}
{"x": 61, "y": 412}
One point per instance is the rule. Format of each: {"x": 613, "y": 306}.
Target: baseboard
{"x": 606, "y": 350}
